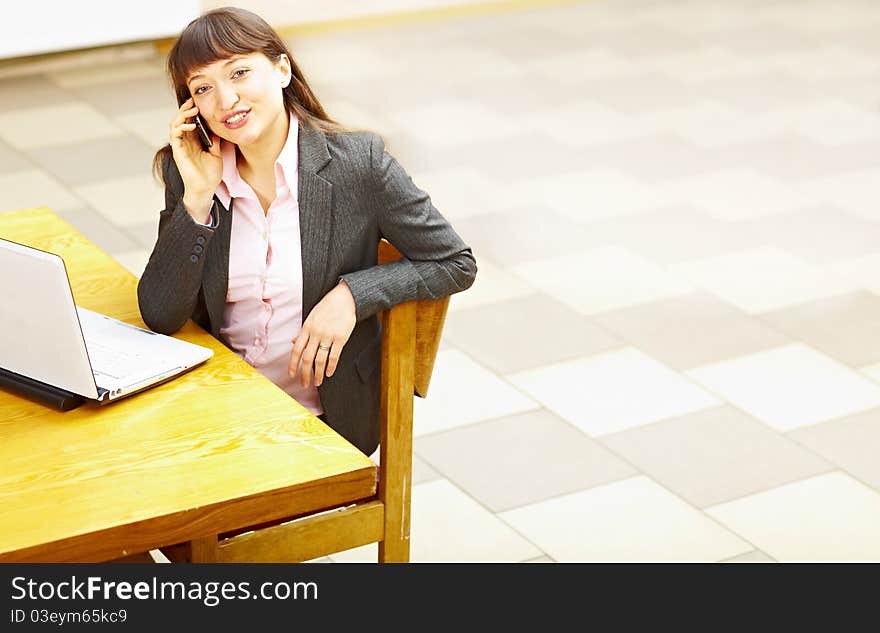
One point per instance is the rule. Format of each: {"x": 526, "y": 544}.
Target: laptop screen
{"x": 40, "y": 333}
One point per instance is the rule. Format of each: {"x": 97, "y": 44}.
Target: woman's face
{"x": 240, "y": 98}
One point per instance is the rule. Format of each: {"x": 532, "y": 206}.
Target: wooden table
{"x": 217, "y": 449}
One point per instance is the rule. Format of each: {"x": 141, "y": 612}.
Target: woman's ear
{"x": 283, "y": 66}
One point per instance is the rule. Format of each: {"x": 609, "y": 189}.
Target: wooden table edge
{"x": 154, "y": 532}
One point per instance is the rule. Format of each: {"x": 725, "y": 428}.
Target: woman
{"x": 269, "y": 236}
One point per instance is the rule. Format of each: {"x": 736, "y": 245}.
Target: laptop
{"x": 48, "y": 342}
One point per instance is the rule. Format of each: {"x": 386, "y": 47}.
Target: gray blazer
{"x": 351, "y": 194}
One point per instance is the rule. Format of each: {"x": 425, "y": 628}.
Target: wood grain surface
{"x": 213, "y": 450}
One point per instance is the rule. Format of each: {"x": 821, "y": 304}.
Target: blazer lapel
{"x": 315, "y": 214}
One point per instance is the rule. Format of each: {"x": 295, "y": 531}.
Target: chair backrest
{"x": 430, "y": 317}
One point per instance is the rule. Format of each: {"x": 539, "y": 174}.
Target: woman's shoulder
{"x": 357, "y": 142}
{"x": 358, "y": 151}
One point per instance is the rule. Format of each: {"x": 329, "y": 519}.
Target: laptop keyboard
{"x": 113, "y": 363}
{"x": 121, "y": 353}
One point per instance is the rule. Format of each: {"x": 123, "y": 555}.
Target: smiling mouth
{"x": 236, "y": 120}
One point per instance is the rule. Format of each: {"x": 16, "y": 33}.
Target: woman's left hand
{"x": 324, "y": 333}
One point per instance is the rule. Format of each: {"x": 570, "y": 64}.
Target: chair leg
{"x": 203, "y": 550}
{"x": 396, "y": 416}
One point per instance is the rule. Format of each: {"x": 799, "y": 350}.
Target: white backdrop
{"x": 46, "y": 26}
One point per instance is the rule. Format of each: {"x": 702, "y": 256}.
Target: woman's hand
{"x": 324, "y": 333}
{"x": 200, "y": 170}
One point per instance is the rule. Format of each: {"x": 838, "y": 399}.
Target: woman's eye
{"x": 241, "y": 72}
{"x": 200, "y": 90}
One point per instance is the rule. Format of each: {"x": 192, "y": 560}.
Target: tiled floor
{"x": 672, "y": 350}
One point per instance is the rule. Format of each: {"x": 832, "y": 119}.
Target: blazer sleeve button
{"x": 197, "y": 249}
{"x": 200, "y": 239}
{"x": 193, "y": 258}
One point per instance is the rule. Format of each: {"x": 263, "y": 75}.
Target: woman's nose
{"x": 228, "y": 98}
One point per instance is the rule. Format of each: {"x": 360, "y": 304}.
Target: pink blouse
{"x": 264, "y": 298}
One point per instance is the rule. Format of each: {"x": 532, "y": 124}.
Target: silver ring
{"x": 324, "y": 347}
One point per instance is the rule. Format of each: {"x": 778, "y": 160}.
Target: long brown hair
{"x": 221, "y": 33}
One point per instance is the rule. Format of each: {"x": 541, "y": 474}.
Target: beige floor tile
{"x": 151, "y": 126}
{"x": 763, "y": 93}
{"x": 739, "y": 194}
{"x": 849, "y": 442}
{"x": 47, "y": 126}
{"x": 11, "y": 160}
{"x": 841, "y": 16}
{"x": 356, "y": 117}
{"x": 27, "y": 92}
{"x": 35, "y": 188}
{"x": 489, "y": 334}
{"x": 691, "y": 330}
{"x": 714, "y": 456}
{"x": 846, "y": 327}
{"x": 462, "y": 62}
{"x": 660, "y": 161}
{"x": 125, "y": 201}
{"x": 422, "y": 471}
{"x": 831, "y": 517}
{"x": 628, "y": 521}
{"x": 613, "y": 391}
{"x": 820, "y": 235}
{"x": 144, "y": 234}
{"x": 789, "y": 387}
{"x": 673, "y": 234}
{"x": 872, "y": 371}
{"x": 698, "y": 18}
{"x": 493, "y": 284}
{"x": 710, "y": 124}
{"x": 96, "y": 160}
{"x": 459, "y": 192}
{"x": 602, "y": 279}
{"x": 463, "y": 392}
{"x": 513, "y": 237}
{"x": 134, "y": 261}
{"x": 587, "y": 123}
{"x": 834, "y": 123}
{"x": 850, "y": 190}
{"x": 454, "y": 123}
{"x": 806, "y": 159}
{"x": 762, "y": 279}
{"x": 642, "y": 95}
{"x": 106, "y": 73}
{"x": 587, "y": 196}
{"x": 826, "y": 62}
{"x": 706, "y": 63}
{"x": 536, "y": 456}
{"x": 129, "y": 95}
{"x": 579, "y": 66}
{"x": 342, "y": 62}
{"x": 449, "y": 526}
{"x": 861, "y": 272}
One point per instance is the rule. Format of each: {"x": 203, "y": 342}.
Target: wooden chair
{"x": 411, "y": 336}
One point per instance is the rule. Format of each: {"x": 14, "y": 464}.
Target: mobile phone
{"x": 204, "y": 135}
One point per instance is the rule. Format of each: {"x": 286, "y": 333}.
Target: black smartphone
{"x": 204, "y": 135}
